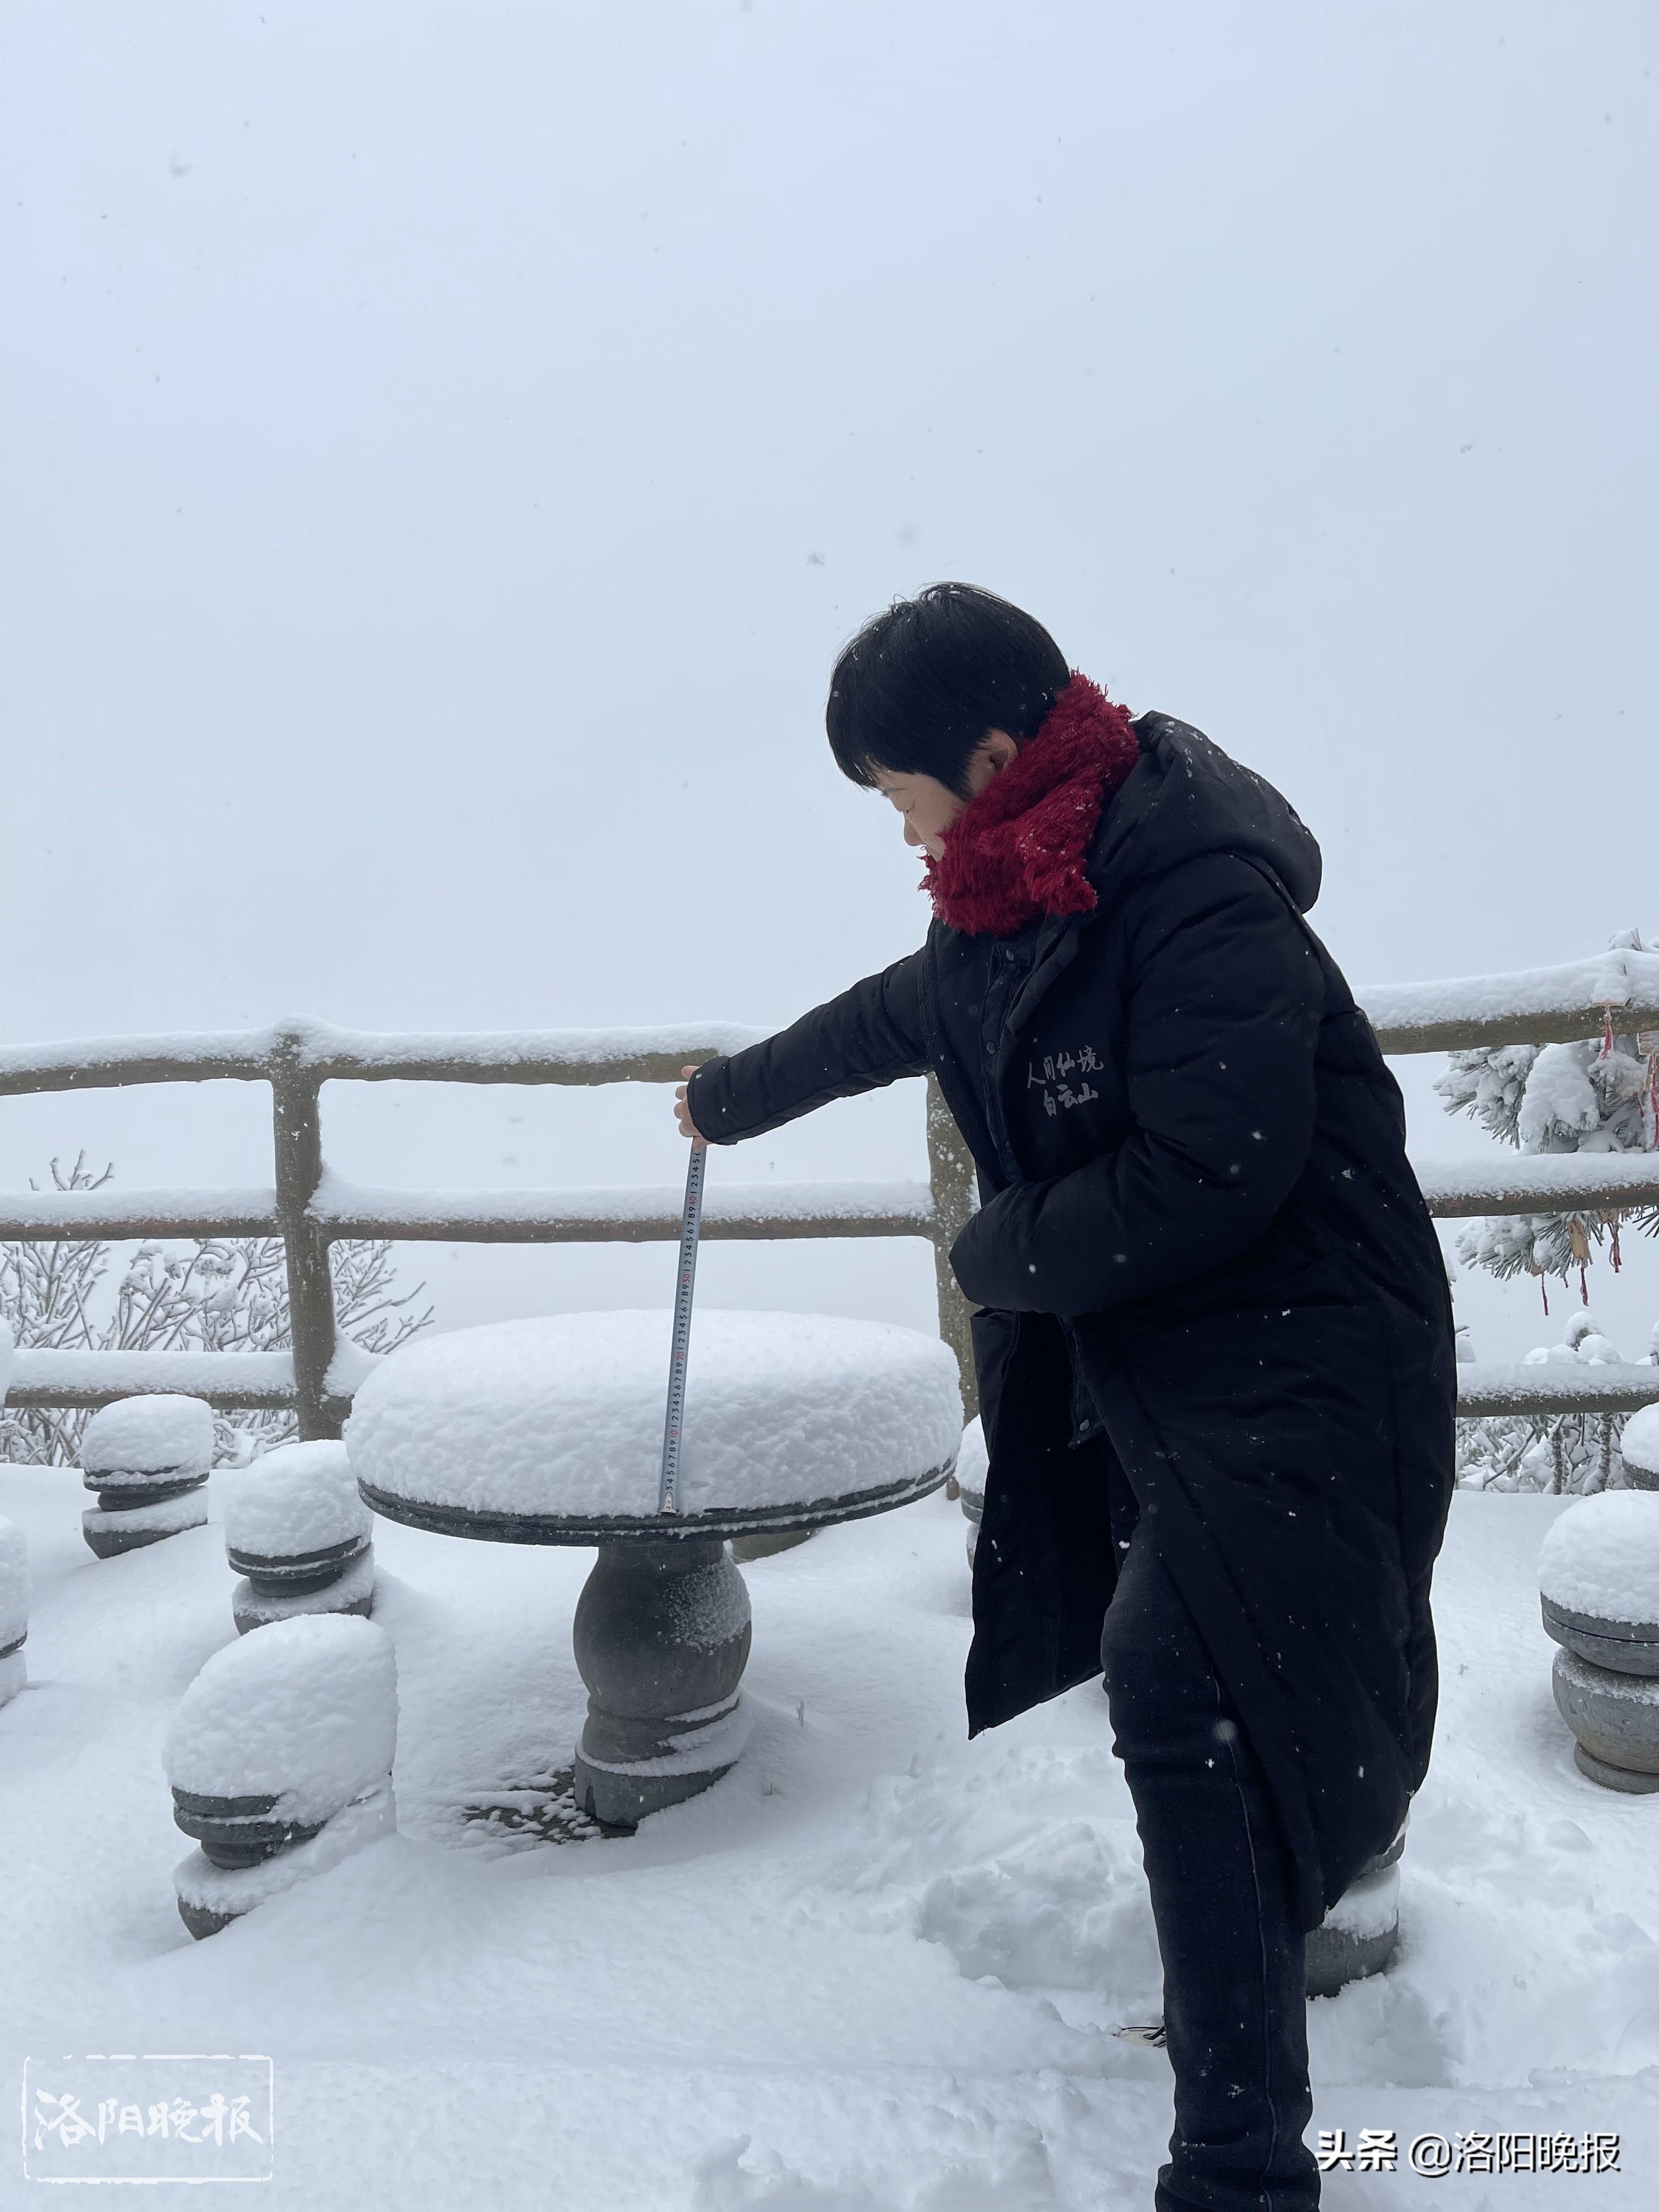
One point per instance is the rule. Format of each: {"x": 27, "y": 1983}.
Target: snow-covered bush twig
{"x": 208, "y": 1294}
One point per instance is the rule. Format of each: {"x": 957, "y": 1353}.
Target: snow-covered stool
{"x": 1361, "y": 1932}
{"x": 299, "y": 1534}
{"x": 14, "y": 1610}
{"x": 1639, "y": 1447}
{"x": 973, "y": 1463}
{"x": 280, "y": 1758}
{"x": 1598, "y": 1582}
{"x": 148, "y": 1459}
{"x": 551, "y": 1431}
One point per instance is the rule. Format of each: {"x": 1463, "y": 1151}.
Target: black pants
{"x": 1235, "y": 2012}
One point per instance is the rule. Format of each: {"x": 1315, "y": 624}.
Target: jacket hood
{"x": 1187, "y": 797}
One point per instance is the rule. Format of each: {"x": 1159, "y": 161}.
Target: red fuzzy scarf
{"x": 1017, "y": 850}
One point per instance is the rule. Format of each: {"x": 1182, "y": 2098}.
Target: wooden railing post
{"x": 950, "y": 1173}
{"x": 298, "y": 1134}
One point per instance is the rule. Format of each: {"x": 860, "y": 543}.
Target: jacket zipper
{"x": 998, "y": 999}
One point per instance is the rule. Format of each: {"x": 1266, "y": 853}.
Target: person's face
{"x": 930, "y": 807}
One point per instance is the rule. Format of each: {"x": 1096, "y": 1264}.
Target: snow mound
{"x": 565, "y": 1414}
{"x": 1601, "y": 1556}
{"x": 305, "y": 1711}
{"x": 160, "y": 1434}
{"x": 14, "y": 1584}
{"x": 1640, "y": 1444}
{"x": 299, "y": 1498}
{"x": 1030, "y": 1873}
{"x": 1058, "y": 1909}
{"x": 1368, "y": 1908}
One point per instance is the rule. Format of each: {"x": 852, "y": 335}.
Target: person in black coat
{"x": 1213, "y": 1337}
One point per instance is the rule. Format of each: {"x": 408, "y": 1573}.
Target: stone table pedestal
{"x": 661, "y": 1637}
{"x": 661, "y": 1632}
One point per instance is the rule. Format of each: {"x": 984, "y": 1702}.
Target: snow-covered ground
{"x": 874, "y": 1970}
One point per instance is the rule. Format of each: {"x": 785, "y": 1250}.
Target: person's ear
{"x": 999, "y": 750}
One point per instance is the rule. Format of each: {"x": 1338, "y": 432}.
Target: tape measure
{"x": 690, "y": 1226}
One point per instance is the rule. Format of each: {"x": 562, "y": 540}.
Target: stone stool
{"x": 298, "y": 1532}
{"x": 1639, "y": 1447}
{"x": 148, "y": 1459}
{"x": 550, "y": 1433}
{"x": 1361, "y": 1932}
{"x": 280, "y": 1759}
{"x": 972, "y": 1462}
{"x": 1598, "y": 1576}
{"x": 14, "y": 1609}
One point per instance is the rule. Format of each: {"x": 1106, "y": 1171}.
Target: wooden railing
{"x": 310, "y": 1209}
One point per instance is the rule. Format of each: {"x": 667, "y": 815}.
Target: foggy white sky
{"x": 447, "y": 444}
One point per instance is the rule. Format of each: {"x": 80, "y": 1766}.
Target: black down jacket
{"x": 1209, "y": 1289}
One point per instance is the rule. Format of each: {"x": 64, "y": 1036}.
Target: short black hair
{"x": 917, "y": 690}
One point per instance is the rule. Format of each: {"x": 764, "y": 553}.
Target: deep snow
{"x": 885, "y": 1957}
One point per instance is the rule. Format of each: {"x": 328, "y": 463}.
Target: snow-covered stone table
{"x": 550, "y": 1431}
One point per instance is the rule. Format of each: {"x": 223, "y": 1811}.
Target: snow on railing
{"x": 48, "y": 1215}
{"x": 644, "y": 1213}
{"x": 636, "y": 1213}
{"x": 323, "y": 1053}
{"x": 310, "y": 1209}
{"x": 254, "y": 1379}
{"x": 1553, "y": 1387}
{"x": 1539, "y": 1182}
{"x": 1535, "y": 1006}
{"x": 639, "y": 1214}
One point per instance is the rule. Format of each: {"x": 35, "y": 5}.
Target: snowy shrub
{"x": 1599, "y": 1095}
{"x": 208, "y": 1294}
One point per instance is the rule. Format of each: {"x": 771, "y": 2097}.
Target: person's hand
{"x": 683, "y": 1115}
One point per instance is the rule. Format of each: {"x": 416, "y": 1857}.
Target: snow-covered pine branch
{"x": 1597, "y": 1095}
